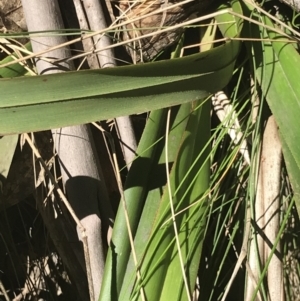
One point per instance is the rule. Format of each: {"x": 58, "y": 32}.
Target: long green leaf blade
{"x": 13, "y": 70}
{"x": 155, "y": 187}
{"x": 278, "y": 72}
{"x": 49, "y": 101}
{"x": 135, "y": 192}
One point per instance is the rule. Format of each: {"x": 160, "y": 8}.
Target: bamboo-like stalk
{"x": 81, "y": 172}
{"x": 271, "y": 166}
{"x": 88, "y": 44}
{"x": 266, "y": 219}
{"x": 97, "y": 22}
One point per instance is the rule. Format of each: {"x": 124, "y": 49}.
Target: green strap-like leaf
{"x": 278, "y": 72}
{"x": 8, "y": 143}
{"x": 13, "y": 70}
{"x": 7, "y": 150}
{"x": 57, "y": 100}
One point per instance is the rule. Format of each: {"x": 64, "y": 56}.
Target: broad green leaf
{"x": 278, "y": 72}
{"x": 13, "y": 70}
{"x": 191, "y": 183}
{"x": 7, "y": 150}
{"x": 135, "y": 192}
{"x": 57, "y": 100}
{"x": 8, "y": 143}
{"x": 159, "y": 263}
{"x": 229, "y": 25}
{"x": 155, "y": 187}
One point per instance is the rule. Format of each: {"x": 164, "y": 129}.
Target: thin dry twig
{"x": 3, "y": 291}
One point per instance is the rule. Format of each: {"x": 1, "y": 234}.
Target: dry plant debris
{"x": 168, "y": 14}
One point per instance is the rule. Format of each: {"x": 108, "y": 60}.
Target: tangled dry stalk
{"x": 169, "y": 13}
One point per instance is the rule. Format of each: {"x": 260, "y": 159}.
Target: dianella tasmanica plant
{"x": 157, "y": 145}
